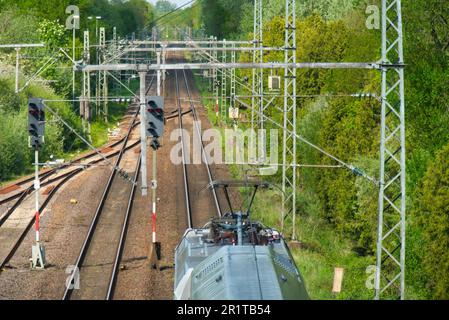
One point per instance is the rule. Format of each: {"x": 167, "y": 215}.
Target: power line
{"x": 179, "y": 14}
{"x": 173, "y": 11}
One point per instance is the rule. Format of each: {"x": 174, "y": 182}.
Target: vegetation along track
{"x": 46, "y": 174}
{"x": 14, "y": 238}
{"x": 28, "y": 183}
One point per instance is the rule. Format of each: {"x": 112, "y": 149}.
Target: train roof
{"x": 211, "y": 265}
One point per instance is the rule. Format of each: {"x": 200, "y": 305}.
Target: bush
{"x": 16, "y": 157}
{"x": 432, "y": 212}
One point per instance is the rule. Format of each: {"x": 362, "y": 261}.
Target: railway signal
{"x": 155, "y": 119}
{"x": 36, "y": 130}
{"x": 36, "y": 123}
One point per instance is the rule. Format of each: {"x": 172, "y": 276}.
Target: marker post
{"x": 37, "y": 261}
{"x": 155, "y": 254}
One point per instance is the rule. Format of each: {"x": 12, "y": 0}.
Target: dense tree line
{"x": 349, "y": 128}
{"x": 127, "y": 16}
{"x": 43, "y": 21}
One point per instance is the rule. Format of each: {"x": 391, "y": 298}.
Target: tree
{"x": 432, "y": 211}
{"x": 163, "y": 7}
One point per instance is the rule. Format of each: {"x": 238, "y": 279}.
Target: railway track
{"x": 48, "y": 173}
{"x": 183, "y": 155}
{"x": 99, "y": 259}
{"x": 71, "y": 174}
{"x": 45, "y": 174}
{"x": 205, "y": 160}
{"x": 60, "y": 181}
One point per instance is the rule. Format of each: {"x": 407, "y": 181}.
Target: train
{"x": 235, "y": 258}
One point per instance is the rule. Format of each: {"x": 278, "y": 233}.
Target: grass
{"x": 322, "y": 249}
{"x": 99, "y": 129}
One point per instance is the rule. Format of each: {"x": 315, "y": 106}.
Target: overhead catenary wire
{"x": 55, "y": 114}
{"x": 173, "y": 11}
{"x": 350, "y": 167}
{"x": 178, "y": 15}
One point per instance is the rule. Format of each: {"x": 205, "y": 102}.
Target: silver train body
{"x": 235, "y": 259}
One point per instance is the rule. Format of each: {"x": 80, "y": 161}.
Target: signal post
{"x": 36, "y": 129}
{"x": 152, "y": 126}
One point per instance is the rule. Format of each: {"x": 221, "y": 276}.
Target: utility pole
{"x": 390, "y": 271}
{"x": 211, "y": 54}
{"x": 163, "y": 71}
{"x": 17, "y": 47}
{"x": 215, "y": 79}
{"x": 97, "y": 60}
{"x": 75, "y": 24}
{"x": 289, "y": 138}
{"x": 257, "y": 119}
{"x": 158, "y": 61}
{"x": 154, "y": 37}
{"x": 103, "y": 82}
{"x": 85, "y": 104}
{"x": 143, "y": 135}
{"x": 17, "y": 69}
{"x": 224, "y": 87}
{"x": 233, "y": 83}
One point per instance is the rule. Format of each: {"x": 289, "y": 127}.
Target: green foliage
{"x": 432, "y": 212}
{"x": 222, "y": 18}
{"x": 334, "y": 30}
{"x": 16, "y": 27}
{"x": 163, "y": 7}
{"x": 15, "y": 156}
{"x": 127, "y": 16}
{"x": 52, "y": 33}
{"x": 8, "y": 102}
{"x": 328, "y": 9}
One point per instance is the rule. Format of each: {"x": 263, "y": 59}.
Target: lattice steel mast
{"x": 233, "y": 78}
{"x": 289, "y": 135}
{"x": 257, "y": 85}
{"x": 85, "y": 103}
{"x": 103, "y": 80}
{"x": 224, "y": 86}
{"x": 390, "y": 273}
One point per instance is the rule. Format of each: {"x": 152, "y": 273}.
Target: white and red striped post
{"x": 36, "y": 188}
{"x": 216, "y": 108}
{"x": 37, "y": 250}
{"x": 154, "y": 256}
{"x": 154, "y": 187}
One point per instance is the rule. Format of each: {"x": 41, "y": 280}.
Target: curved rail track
{"x": 46, "y": 174}
{"x": 61, "y": 181}
{"x": 22, "y": 196}
{"x": 99, "y": 258}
